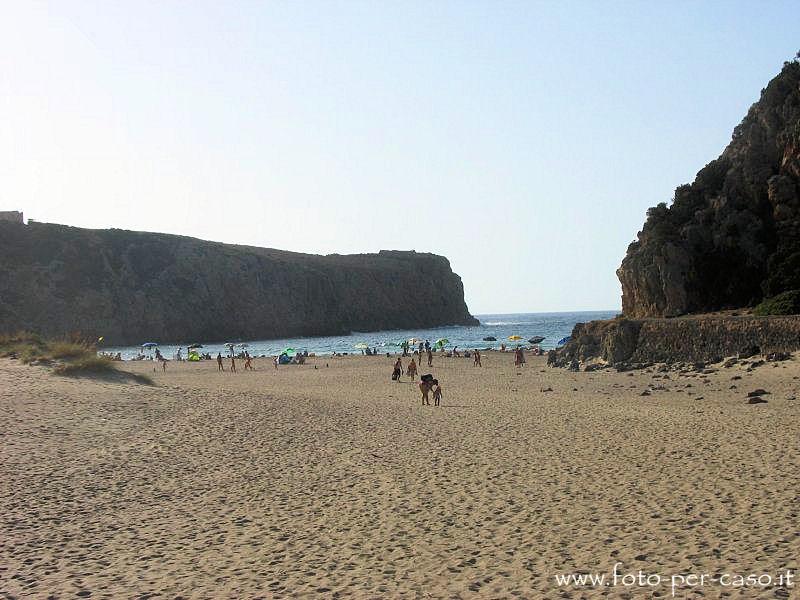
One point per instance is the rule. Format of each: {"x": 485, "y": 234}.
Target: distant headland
{"x": 133, "y": 286}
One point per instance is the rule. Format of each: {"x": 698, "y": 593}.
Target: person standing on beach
{"x": 412, "y": 370}
{"x": 398, "y": 369}
{"x": 437, "y": 392}
{"x": 430, "y": 357}
{"x": 425, "y": 387}
{"x": 476, "y": 357}
{"x": 220, "y": 366}
{"x": 247, "y": 361}
{"x": 233, "y": 363}
{"x": 519, "y": 358}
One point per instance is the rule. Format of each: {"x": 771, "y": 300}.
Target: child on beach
{"x": 430, "y": 358}
{"x": 437, "y": 392}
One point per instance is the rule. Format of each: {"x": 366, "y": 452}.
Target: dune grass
{"x": 71, "y": 355}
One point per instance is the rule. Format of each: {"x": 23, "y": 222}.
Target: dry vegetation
{"x": 68, "y": 356}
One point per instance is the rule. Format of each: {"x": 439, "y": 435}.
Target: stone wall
{"x": 621, "y": 341}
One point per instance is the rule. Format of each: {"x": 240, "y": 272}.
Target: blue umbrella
{"x": 563, "y": 341}
{"x": 149, "y": 345}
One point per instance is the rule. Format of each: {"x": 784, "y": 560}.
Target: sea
{"x": 552, "y": 326}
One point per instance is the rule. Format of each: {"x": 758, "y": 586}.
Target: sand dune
{"x": 336, "y": 482}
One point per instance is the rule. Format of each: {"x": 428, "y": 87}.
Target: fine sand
{"x": 335, "y": 482}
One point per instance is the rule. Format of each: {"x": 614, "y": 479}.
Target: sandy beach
{"x": 331, "y": 480}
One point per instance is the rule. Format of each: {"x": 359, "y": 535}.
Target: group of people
{"x": 428, "y": 385}
{"x": 248, "y": 362}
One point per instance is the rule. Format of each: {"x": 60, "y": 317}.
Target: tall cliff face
{"x": 733, "y": 236}
{"x": 133, "y": 287}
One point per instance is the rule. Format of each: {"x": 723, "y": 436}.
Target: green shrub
{"x": 787, "y": 303}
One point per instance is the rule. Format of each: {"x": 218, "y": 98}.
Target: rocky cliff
{"x": 733, "y": 236}
{"x": 133, "y": 287}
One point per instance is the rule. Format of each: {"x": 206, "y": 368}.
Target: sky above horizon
{"x": 524, "y": 141}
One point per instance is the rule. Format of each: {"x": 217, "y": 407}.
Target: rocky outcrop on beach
{"x": 132, "y": 287}
{"x": 631, "y": 343}
{"x": 732, "y": 237}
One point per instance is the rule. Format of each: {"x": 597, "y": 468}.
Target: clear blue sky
{"x": 522, "y": 140}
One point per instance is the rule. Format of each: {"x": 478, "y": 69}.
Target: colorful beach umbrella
{"x": 442, "y": 341}
{"x": 361, "y": 345}
{"x": 514, "y": 338}
{"x": 289, "y": 351}
{"x": 536, "y": 339}
{"x": 194, "y": 346}
{"x": 563, "y": 341}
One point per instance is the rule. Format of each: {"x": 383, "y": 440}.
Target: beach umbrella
{"x": 536, "y": 339}
{"x": 361, "y": 345}
{"x": 194, "y": 346}
{"x": 414, "y": 341}
{"x": 289, "y": 351}
{"x": 514, "y": 338}
{"x": 242, "y": 345}
{"x": 442, "y": 341}
{"x": 149, "y": 345}
{"x": 563, "y": 341}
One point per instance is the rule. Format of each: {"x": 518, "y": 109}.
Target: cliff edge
{"x": 732, "y": 237}
{"x": 132, "y": 287}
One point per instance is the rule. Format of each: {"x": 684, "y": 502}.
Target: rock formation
{"x": 630, "y": 343}
{"x": 732, "y": 237}
{"x": 132, "y": 287}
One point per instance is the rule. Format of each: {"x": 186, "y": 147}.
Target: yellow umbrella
{"x": 514, "y": 338}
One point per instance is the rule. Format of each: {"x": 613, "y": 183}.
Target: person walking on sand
{"x": 476, "y": 358}
{"x": 398, "y": 369}
{"x": 220, "y": 366}
{"x": 425, "y": 387}
{"x": 437, "y": 392}
{"x": 248, "y": 365}
{"x": 430, "y": 357}
{"x": 411, "y": 371}
{"x": 233, "y": 364}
